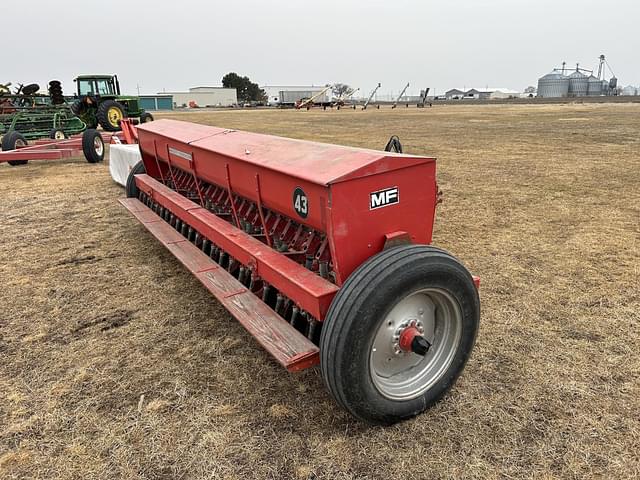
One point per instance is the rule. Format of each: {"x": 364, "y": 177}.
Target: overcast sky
{"x": 174, "y": 45}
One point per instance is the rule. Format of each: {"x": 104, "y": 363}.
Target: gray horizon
{"x": 156, "y": 47}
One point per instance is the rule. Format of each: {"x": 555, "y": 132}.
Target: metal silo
{"x": 594, "y": 86}
{"x": 578, "y": 84}
{"x": 553, "y": 85}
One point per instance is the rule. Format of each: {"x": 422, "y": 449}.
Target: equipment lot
{"x": 541, "y": 201}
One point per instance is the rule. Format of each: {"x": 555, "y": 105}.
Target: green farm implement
{"x": 37, "y": 116}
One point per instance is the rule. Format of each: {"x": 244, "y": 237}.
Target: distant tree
{"x": 247, "y": 90}
{"x": 339, "y": 89}
{"x": 530, "y": 89}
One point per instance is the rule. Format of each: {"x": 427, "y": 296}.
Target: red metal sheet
{"x": 313, "y": 162}
{"x": 184, "y": 250}
{"x": 288, "y": 346}
{"x": 133, "y": 205}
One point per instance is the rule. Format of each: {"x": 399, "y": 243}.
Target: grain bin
{"x": 594, "y": 86}
{"x": 553, "y": 85}
{"x": 629, "y": 91}
{"x": 578, "y": 84}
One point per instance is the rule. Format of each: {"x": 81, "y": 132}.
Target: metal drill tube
{"x": 294, "y": 315}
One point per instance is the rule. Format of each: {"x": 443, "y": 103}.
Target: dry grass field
{"x": 116, "y": 364}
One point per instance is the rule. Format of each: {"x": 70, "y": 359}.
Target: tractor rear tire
{"x": 57, "y": 134}
{"x": 78, "y": 107}
{"x": 12, "y": 140}
{"x": 361, "y": 359}
{"x": 92, "y": 146}
{"x": 131, "y": 189}
{"x": 146, "y": 117}
{"x": 109, "y": 115}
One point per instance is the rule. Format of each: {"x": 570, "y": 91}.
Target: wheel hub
{"x": 98, "y": 145}
{"x": 406, "y": 331}
{"x": 415, "y": 344}
{"x": 115, "y": 115}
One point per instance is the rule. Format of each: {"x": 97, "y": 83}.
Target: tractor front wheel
{"x": 11, "y": 141}
{"x": 398, "y": 333}
{"x": 109, "y": 115}
{"x": 92, "y": 146}
{"x": 146, "y": 117}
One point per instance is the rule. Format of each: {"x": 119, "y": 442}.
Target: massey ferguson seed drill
{"x": 321, "y": 252}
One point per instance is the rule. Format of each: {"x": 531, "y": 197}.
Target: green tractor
{"x": 99, "y": 103}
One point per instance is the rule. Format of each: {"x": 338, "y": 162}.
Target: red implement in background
{"x": 50, "y": 149}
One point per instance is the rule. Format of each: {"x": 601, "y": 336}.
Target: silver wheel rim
{"x": 59, "y": 135}
{"x": 98, "y": 145}
{"x": 20, "y": 143}
{"x": 400, "y": 375}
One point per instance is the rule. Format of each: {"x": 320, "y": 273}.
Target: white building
{"x": 504, "y": 93}
{"x": 454, "y": 94}
{"x": 205, "y": 97}
{"x": 273, "y": 91}
{"x": 480, "y": 93}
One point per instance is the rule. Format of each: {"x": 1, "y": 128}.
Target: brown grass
{"x": 116, "y": 363}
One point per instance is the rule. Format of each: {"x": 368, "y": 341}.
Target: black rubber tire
{"x": 78, "y": 107}
{"x": 146, "y": 117}
{"x": 103, "y": 117}
{"x": 89, "y": 148}
{"x": 56, "y": 132}
{"x": 362, "y": 304}
{"x": 30, "y": 89}
{"x": 9, "y": 141}
{"x": 131, "y": 189}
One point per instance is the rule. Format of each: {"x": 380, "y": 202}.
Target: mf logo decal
{"x": 384, "y": 198}
{"x": 300, "y": 202}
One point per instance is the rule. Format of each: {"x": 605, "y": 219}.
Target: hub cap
{"x": 59, "y": 135}
{"x": 401, "y": 375}
{"x": 115, "y": 115}
{"x": 98, "y": 145}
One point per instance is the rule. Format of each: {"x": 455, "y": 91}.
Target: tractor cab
{"x": 99, "y": 102}
{"x": 97, "y": 85}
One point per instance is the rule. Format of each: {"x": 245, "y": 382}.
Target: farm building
{"x": 275, "y": 97}
{"x": 454, "y": 94}
{"x": 480, "y": 93}
{"x": 156, "y": 102}
{"x": 205, "y": 97}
